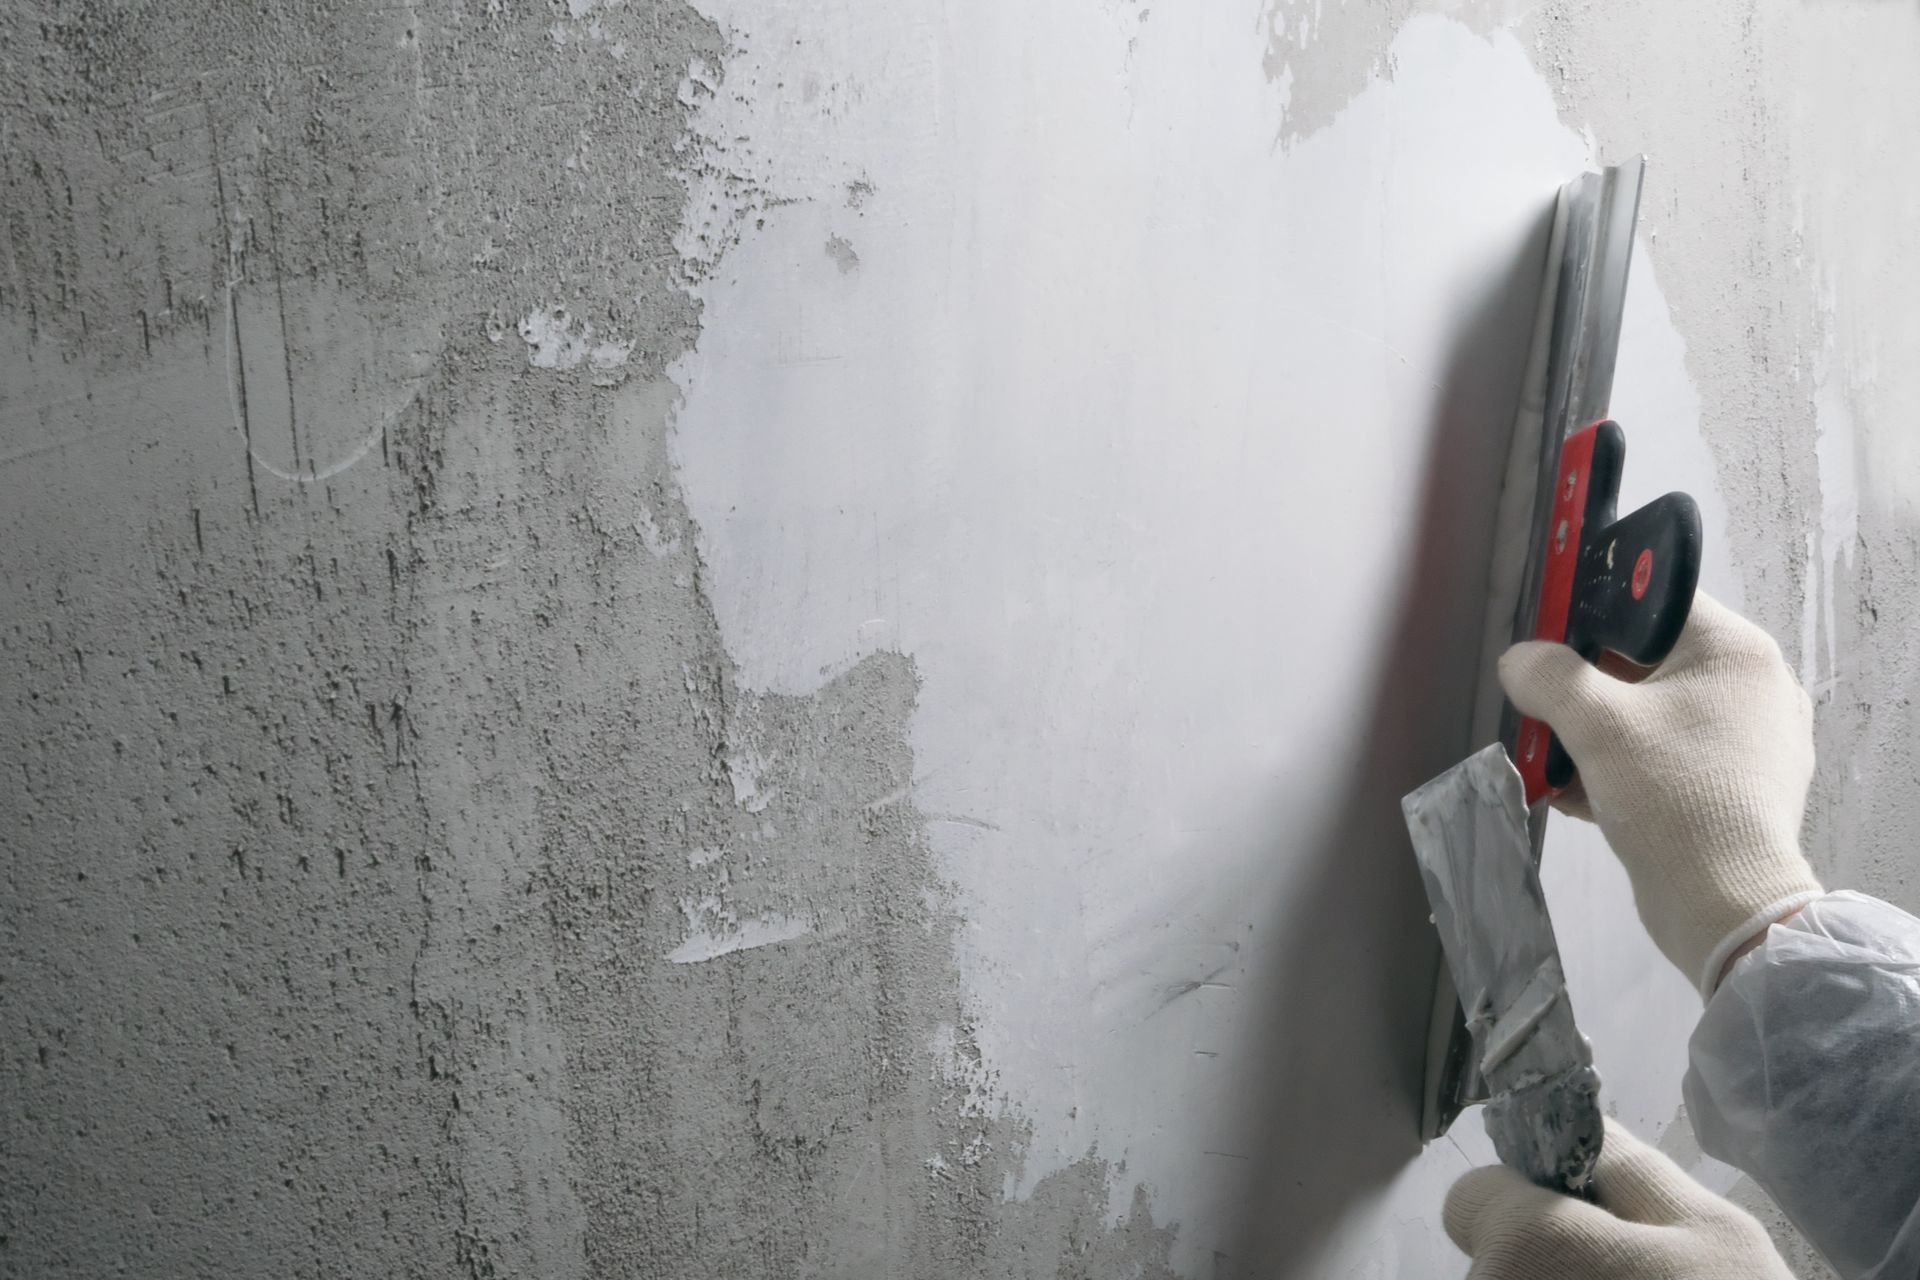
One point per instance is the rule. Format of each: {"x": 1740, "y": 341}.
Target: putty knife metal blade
{"x": 1470, "y": 834}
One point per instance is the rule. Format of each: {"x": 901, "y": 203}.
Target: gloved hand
{"x": 1697, "y": 776}
{"x": 1652, "y": 1222}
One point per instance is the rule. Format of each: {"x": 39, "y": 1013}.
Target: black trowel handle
{"x": 1632, "y": 592}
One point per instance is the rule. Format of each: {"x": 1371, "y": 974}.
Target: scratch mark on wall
{"x": 891, "y": 798}
{"x": 962, "y": 820}
{"x": 1181, "y": 989}
{"x": 237, "y": 396}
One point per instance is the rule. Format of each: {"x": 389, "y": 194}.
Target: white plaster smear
{"x": 713, "y": 930}
{"x": 1832, "y": 537}
{"x": 557, "y": 340}
{"x": 1077, "y": 436}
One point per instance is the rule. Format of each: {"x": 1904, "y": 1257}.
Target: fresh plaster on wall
{"x": 1094, "y": 471}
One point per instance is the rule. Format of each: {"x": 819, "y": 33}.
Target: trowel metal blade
{"x": 1568, "y": 384}
{"x": 1469, "y": 830}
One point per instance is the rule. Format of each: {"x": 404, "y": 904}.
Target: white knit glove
{"x": 1697, "y": 776}
{"x": 1651, "y": 1222}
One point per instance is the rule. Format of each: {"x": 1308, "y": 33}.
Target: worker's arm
{"x": 1806, "y": 1074}
{"x": 1806, "y": 1064}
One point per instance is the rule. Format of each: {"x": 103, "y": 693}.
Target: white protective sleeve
{"x": 1806, "y": 1075}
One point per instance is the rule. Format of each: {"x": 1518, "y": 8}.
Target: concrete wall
{"x": 750, "y": 639}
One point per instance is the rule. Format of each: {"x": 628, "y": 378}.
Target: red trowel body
{"x": 1621, "y": 586}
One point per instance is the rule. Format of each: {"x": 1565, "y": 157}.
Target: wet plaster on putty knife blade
{"x": 1469, "y": 830}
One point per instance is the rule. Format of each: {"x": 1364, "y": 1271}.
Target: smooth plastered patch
{"x": 1123, "y": 440}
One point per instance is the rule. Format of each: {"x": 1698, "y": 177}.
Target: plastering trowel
{"x": 1563, "y": 569}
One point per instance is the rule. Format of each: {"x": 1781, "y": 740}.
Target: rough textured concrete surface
{"x": 401, "y": 877}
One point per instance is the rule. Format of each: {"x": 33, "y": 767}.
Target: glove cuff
{"x": 1708, "y": 978}
{"x": 1731, "y": 863}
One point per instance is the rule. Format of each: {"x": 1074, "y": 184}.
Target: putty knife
{"x": 1469, "y": 829}
{"x": 1563, "y": 568}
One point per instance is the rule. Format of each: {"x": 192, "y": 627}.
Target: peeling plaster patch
{"x": 714, "y": 931}
{"x": 964, "y": 1072}
{"x": 968, "y": 1094}
{"x": 840, "y": 249}
{"x": 659, "y": 544}
{"x": 585, "y": 11}
{"x": 555, "y": 340}
{"x": 745, "y": 771}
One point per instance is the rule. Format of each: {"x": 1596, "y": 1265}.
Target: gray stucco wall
{"x": 348, "y": 816}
